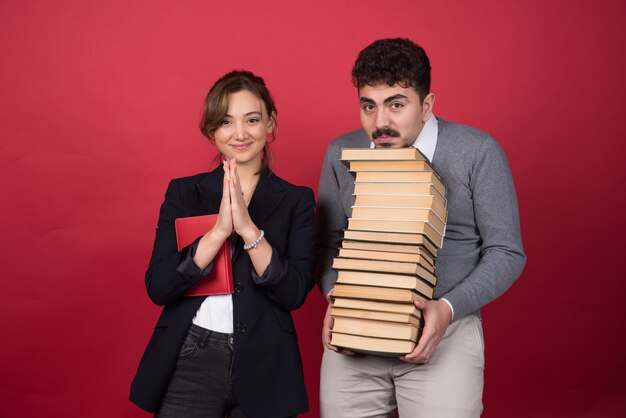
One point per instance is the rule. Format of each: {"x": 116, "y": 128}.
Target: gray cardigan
{"x": 482, "y": 252}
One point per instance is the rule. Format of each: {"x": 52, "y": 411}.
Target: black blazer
{"x": 268, "y": 379}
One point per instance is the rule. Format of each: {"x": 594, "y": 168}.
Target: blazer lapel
{"x": 265, "y": 200}
{"x": 210, "y": 191}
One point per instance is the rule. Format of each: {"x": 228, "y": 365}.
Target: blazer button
{"x": 241, "y": 327}
{"x": 239, "y": 287}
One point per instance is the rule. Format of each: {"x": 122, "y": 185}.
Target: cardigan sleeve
{"x": 331, "y": 218}
{"x": 502, "y": 257}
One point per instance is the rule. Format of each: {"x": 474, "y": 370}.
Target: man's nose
{"x": 382, "y": 119}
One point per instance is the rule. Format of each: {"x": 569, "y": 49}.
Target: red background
{"x": 99, "y": 105}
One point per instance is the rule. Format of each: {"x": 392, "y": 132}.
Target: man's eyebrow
{"x": 395, "y": 97}
{"x": 387, "y": 100}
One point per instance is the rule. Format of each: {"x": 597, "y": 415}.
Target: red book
{"x": 220, "y": 280}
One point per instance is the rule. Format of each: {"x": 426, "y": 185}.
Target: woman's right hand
{"x": 223, "y": 228}
{"x": 211, "y": 242}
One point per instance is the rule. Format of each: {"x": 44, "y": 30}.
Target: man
{"x": 480, "y": 259}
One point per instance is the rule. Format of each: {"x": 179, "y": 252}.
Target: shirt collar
{"x": 426, "y": 141}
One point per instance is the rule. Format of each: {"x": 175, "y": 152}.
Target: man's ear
{"x": 427, "y": 106}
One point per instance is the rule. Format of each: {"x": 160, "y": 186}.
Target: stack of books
{"x": 387, "y": 257}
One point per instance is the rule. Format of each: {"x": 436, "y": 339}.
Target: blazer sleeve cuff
{"x": 187, "y": 268}
{"x": 274, "y": 274}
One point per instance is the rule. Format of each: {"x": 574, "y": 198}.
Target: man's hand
{"x": 437, "y": 316}
{"x": 328, "y": 326}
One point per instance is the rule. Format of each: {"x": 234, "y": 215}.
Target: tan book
{"x": 376, "y": 315}
{"x": 410, "y": 227}
{"x": 429, "y": 177}
{"x": 371, "y": 345}
{"x": 378, "y": 329}
{"x": 391, "y": 238}
{"x": 399, "y": 189}
{"x": 387, "y": 294}
{"x": 384, "y": 267}
{"x": 391, "y": 247}
{"x": 399, "y": 281}
{"x": 372, "y": 305}
{"x": 389, "y": 154}
{"x": 385, "y": 256}
{"x": 382, "y": 165}
{"x": 399, "y": 214}
{"x": 398, "y": 201}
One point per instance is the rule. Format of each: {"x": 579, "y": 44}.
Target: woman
{"x": 231, "y": 355}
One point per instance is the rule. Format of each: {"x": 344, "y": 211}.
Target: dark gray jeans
{"x": 202, "y": 383}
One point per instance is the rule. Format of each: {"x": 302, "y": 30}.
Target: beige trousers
{"x": 450, "y": 385}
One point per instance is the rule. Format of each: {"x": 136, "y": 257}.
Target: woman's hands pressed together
{"x": 234, "y": 198}
{"x": 233, "y": 215}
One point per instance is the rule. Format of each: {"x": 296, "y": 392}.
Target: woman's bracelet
{"x": 255, "y": 243}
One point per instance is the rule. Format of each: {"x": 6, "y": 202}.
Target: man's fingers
{"x": 422, "y": 352}
{"x": 419, "y": 304}
{"x": 346, "y": 352}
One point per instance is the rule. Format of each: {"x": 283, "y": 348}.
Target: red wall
{"x": 99, "y": 103}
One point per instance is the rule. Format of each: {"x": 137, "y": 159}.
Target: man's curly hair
{"x": 393, "y": 61}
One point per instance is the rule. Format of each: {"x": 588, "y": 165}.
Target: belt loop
{"x": 205, "y": 336}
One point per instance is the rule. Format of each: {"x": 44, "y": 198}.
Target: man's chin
{"x": 384, "y": 145}
{"x": 395, "y": 143}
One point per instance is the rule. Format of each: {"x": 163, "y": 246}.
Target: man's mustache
{"x": 385, "y": 132}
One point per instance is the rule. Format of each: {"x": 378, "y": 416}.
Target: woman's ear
{"x": 271, "y": 125}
